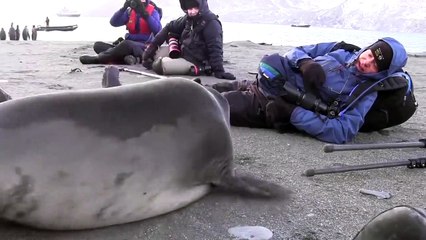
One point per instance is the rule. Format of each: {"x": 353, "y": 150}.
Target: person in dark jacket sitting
{"x": 142, "y": 21}
{"x": 195, "y": 44}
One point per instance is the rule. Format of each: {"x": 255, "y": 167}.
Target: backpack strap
{"x": 385, "y": 84}
{"x": 204, "y": 22}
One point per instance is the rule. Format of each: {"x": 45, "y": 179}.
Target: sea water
{"x": 98, "y": 29}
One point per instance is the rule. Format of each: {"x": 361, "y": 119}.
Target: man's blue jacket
{"x": 341, "y": 78}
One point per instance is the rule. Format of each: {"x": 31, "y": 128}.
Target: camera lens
{"x": 174, "y": 50}
{"x": 133, "y": 4}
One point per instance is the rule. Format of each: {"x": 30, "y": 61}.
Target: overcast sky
{"x": 42, "y": 7}
{"x": 10, "y": 9}
{"x": 48, "y": 7}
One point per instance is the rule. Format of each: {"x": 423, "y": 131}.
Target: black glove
{"x": 224, "y": 75}
{"x": 313, "y": 75}
{"x": 148, "y": 55}
{"x": 119, "y": 40}
{"x": 279, "y": 110}
{"x": 278, "y": 113}
{"x": 345, "y": 46}
{"x": 126, "y": 5}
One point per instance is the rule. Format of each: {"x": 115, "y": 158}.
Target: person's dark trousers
{"x": 116, "y": 54}
{"x": 247, "y": 104}
{"x": 99, "y": 47}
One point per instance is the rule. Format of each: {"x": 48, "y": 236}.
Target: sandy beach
{"x": 323, "y": 207}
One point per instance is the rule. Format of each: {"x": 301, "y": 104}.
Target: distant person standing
{"x": 2, "y": 34}
{"x": 12, "y": 32}
{"x": 34, "y": 33}
{"x": 25, "y": 34}
{"x": 18, "y": 33}
{"x": 47, "y": 21}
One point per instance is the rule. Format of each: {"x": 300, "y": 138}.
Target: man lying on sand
{"x": 311, "y": 89}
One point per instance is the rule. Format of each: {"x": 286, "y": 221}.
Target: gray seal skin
{"x": 93, "y": 158}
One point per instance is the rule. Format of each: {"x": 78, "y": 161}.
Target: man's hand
{"x": 148, "y": 55}
{"x": 313, "y": 75}
{"x": 224, "y": 75}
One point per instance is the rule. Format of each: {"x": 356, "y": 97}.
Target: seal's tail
{"x": 254, "y": 187}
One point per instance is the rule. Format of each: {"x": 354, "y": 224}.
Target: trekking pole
{"x": 346, "y": 147}
{"x": 410, "y": 163}
{"x": 142, "y": 73}
{"x": 153, "y": 75}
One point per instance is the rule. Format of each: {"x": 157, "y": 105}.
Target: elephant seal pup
{"x": 93, "y": 158}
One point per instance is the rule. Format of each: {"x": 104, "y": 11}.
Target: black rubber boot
{"x": 147, "y": 64}
{"x": 86, "y": 59}
{"x": 157, "y": 66}
{"x": 4, "y": 96}
{"x": 131, "y": 60}
{"x": 398, "y": 223}
{"x": 99, "y": 47}
{"x": 225, "y": 86}
{"x": 111, "y": 77}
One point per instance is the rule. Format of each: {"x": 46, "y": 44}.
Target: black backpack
{"x": 395, "y": 102}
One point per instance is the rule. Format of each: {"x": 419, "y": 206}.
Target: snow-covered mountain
{"x": 382, "y": 15}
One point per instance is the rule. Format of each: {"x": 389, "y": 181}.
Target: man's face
{"x": 192, "y": 12}
{"x": 366, "y": 62}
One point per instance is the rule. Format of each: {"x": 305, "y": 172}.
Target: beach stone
{"x": 250, "y": 232}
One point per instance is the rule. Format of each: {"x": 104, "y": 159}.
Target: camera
{"x": 134, "y": 4}
{"x": 174, "y": 49}
{"x": 198, "y": 70}
{"x": 310, "y": 102}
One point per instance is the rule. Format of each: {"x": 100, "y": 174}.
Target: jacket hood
{"x": 202, "y": 5}
{"x": 399, "y": 58}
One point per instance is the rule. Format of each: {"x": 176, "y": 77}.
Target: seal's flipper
{"x": 254, "y": 187}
